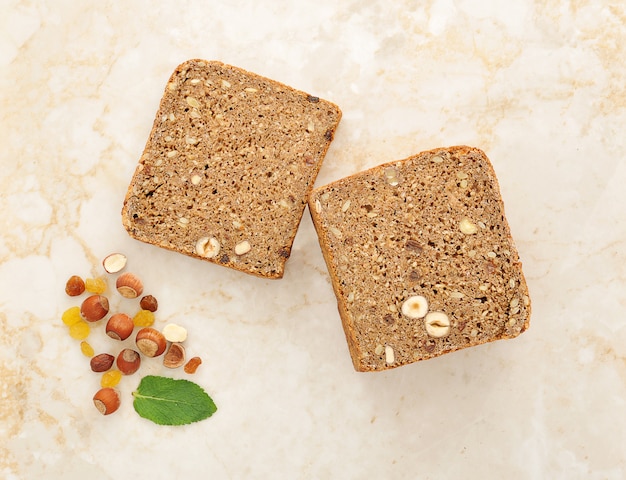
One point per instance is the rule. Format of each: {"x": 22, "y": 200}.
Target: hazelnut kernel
{"x": 415, "y": 307}
{"x": 437, "y": 324}
{"x": 129, "y": 285}
{"x": 242, "y": 247}
{"x": 128, "y": 361}
{"x": 75, "y": 286}
{"x": 94, "y": 308}
{"x": 174, "y": 333}
{"x": 208, "y": 247}
{"x": 114, "y": 262}
{"x": 150, "y": 342}
{"x": 101, "y": 362}
{"x": 149, "y": 303}
{"x": 390, "y": 356}
{"x": 120, "y": 326}
{"x": 467, "y": 226}
{"x": 107, "y": 400}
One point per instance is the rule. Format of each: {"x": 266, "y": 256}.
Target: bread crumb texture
{"x": 430, "y": 231}
{"x": 228, "y": 167}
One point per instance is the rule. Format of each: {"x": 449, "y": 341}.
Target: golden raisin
{"x": 71, "y": 316}
{"x": 143, "y": 318}
{"x": 87, "y": 349}
{"x": 192, "y": 365}
{"x": 110, "y": 378}
{"x": 96, "y": 285}
{"x": 79, "y": 330}
{"x": 74, "y": 286}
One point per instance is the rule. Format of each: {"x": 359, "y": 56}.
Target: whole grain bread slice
{"x": 421, "y": 258}
{"x": 228, "y": 167}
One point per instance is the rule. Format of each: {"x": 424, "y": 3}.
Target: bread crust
{"x": 228, "y": 166}
{"x": 395, "y": 231}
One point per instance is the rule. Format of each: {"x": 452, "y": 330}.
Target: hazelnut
{"x": 242, "y": 247}
{"x": 75, "y": 286}
{"x": 128, "y": 361}
{"x": 149, "y": 303}
{"x": 114, "y": 263}
{"x": 208, "y": 247}
{"x": 390, "y": 356}
{"x": 467, "y": 226}
{"x": 174, "y": 333}
{"x": 101, "y": 362}
{"x": 120, "y": 326}
{"x": 129, "y": 285}
{"x": 106, "y": 400}
{"x": 415, "y": 307}
{"x": 175, "y": 356}
{"x": 150, "y": 342}
{"x": 94, "y": 308}
{"x": 437, "y": 324}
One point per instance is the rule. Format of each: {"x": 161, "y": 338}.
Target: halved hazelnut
{"x": 128, "y": 361}
{"x": 107, "y": 400}
{"x": 94, "y": 308}
{"x": 150, "y": 342}
{"x": 174, "y": 333}
{"x": 120, "y": 326}
{"x": 129, "y": 285}
{"x": 114, "y": 263}
{"x": 175, "y": 356}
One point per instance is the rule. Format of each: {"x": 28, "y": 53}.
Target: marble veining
{"x": 539, "y": 86}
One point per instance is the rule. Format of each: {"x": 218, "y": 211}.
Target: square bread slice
{"x": 228, "y": 167}
{"x": 421, "y": 258}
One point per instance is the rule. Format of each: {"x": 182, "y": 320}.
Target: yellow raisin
{"x": 87, "y": 349}
{"x": 143, "y": 318}
{"x": 110, "y": 378}
{"x": 96, "y": 285}
{"x": 71, "y": 316}
{"x": 79, "y": 330}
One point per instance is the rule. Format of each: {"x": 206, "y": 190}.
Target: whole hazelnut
{"x": 94, "y": 308}
{"x": 129, "y": 285}
{"x": 150, "y": 342}
{"x": 120, "y": 326}
{"x": 106, "y": 400}
{"x": 128, "y": 361}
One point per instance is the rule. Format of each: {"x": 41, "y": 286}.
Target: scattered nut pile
{"x": 149, "y": 341}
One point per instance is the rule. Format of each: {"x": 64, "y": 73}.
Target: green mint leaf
{"x": 167, "y": 401}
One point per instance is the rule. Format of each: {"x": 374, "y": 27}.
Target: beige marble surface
{"x": 540, "y": 86}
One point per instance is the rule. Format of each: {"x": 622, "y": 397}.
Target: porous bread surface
{"x": 432, "y": 225}
{"x": 232, "y": 157}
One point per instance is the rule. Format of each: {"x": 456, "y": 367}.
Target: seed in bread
{"x": 228, "y": 167}
{"x": 421, "y": 258}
